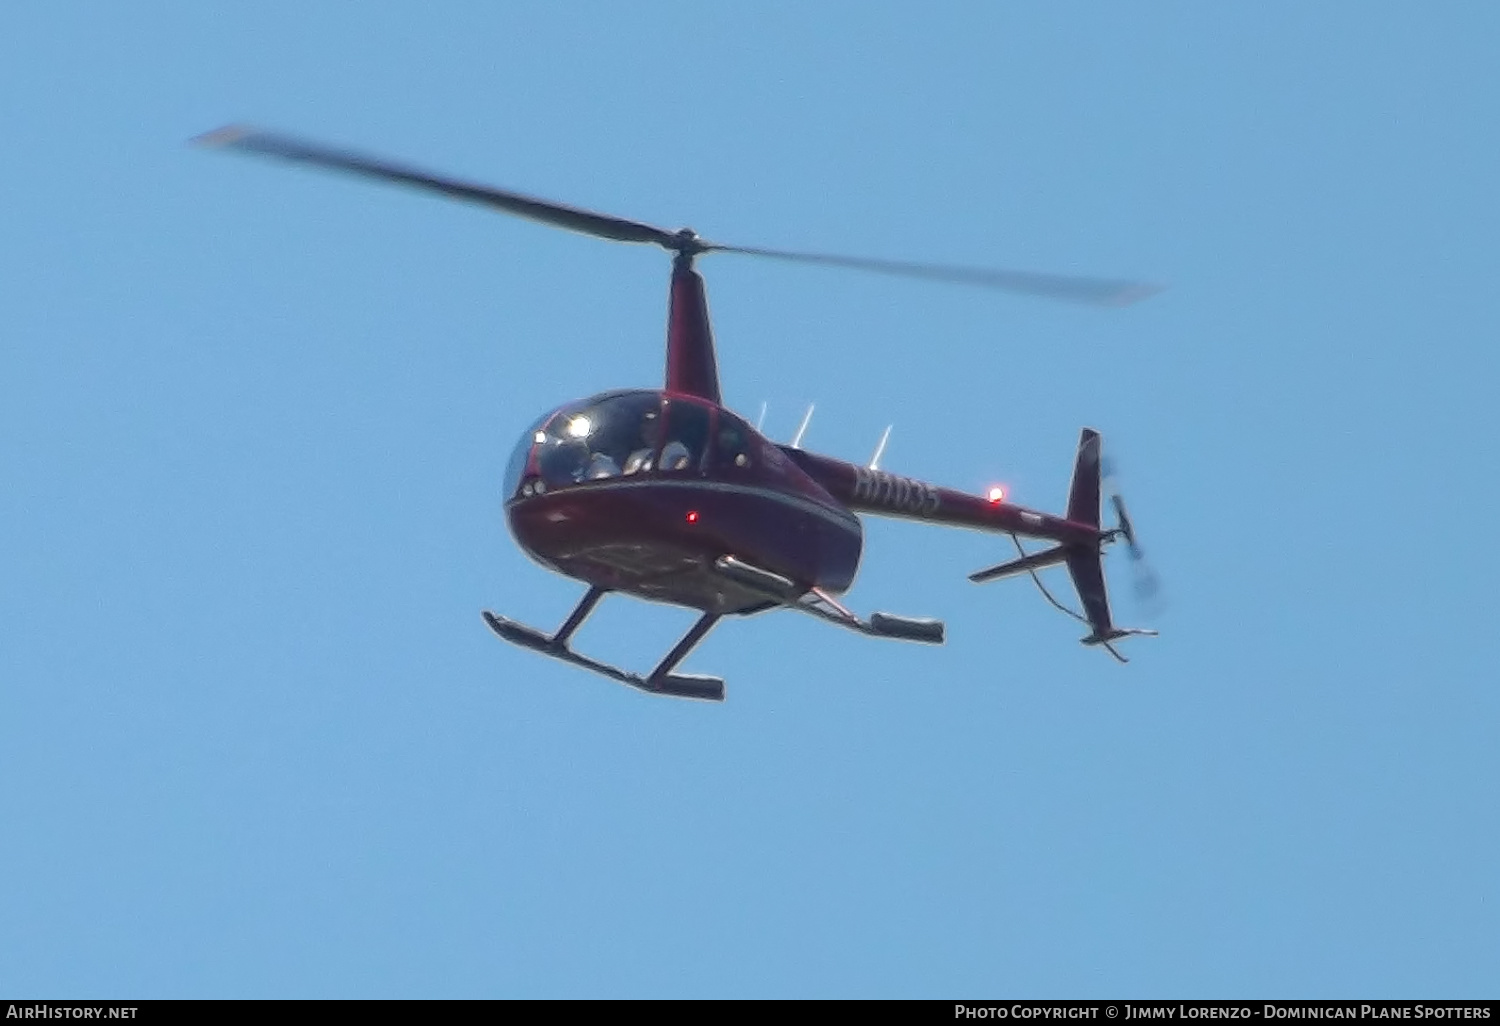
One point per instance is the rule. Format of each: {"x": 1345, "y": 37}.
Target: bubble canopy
{"x": 624, "y": 434}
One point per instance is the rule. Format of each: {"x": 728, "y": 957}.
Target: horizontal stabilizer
{"x": 1026, "y": 564}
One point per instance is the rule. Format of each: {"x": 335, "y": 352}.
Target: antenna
{"x": 806, "y": 419}
{"x": 880, "y": 449}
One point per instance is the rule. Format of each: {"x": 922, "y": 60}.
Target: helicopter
{"x": 669, "y": 496}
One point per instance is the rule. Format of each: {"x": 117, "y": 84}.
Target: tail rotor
{"x": 1145, "y": 582}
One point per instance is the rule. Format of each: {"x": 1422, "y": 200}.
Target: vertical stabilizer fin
{"x": 1086, "y": 564}
{"x": 1083, "y": 494}
{"x": 1084, "y": 557}
{"x": 1087, "y": 570}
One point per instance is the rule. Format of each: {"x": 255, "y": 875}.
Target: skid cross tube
{"x": 682, "y": 648}
{"x": 575, "y": 619}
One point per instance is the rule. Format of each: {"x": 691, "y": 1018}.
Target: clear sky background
{"x": 255, "y": 740}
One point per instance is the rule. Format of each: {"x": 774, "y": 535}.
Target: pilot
{"x": 639, "y": 460}
{"x": 601, "y": 465}
{"x": 563, "y": 460}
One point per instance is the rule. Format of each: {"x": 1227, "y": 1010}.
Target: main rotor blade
{"x": 251, "y": 140}
{"x": 1099, "y": 291}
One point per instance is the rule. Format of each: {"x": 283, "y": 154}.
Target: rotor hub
{"x": 686, "y": 243}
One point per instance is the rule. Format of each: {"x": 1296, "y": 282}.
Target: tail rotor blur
{"x": 1145, "y": 582}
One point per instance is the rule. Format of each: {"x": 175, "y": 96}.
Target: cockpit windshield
{"x": 620, "y": 434}
{"x": 607, "y": 437}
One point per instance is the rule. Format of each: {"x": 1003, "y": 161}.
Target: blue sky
{"x": 253, "y": 422}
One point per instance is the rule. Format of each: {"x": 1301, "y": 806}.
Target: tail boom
{"x": 1078, "y": 535}
{"x": 880, "y": 493}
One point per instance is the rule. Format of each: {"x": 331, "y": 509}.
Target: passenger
{"x": 675, "y": 457}
{"x": 602, "y": 466}
{"x": 648, "y": 435}
{"x": 638, "y": 461}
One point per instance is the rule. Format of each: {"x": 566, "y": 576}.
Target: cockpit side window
{"x": 732, "y": 440}
{"x": 688, "y": 428}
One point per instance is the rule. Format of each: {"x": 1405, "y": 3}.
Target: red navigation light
{"x": 997, "y": 494}
{"x": 692, "y": 516}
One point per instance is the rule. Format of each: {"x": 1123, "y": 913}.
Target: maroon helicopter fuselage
{"x": 643, "y": 491}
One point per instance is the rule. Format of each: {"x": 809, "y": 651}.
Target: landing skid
{"x": 879, "y": 625}
{"x": 777, "y": 590}
{"x": 660, "y": 681}
{"x": 822, "y": 605}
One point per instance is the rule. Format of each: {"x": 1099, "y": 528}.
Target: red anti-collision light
{"x": 692, "y": 516}
{"x": 997, "y": 494}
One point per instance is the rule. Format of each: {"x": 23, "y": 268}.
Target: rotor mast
{"x": 692, "y": 368}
